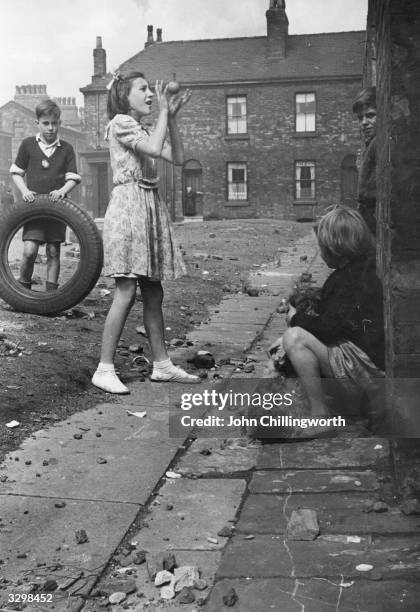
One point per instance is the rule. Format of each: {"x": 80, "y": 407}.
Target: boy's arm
{"x": 71, "y": 177}
{"x": 18, "y": 171}
{"x": 27, "y": 194}
{"x": 60, "y": 194}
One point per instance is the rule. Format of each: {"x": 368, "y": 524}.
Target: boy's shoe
{"x": 109, "y": 382}
{"x": 175, "y": 374}
{"x": 26, "y": 284}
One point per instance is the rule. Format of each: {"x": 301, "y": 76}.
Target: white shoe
{"x": 109, "y": 382}
{"x": 175, "y": 374}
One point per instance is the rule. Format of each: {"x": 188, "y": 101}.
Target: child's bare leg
{"x": 163, "y": 368}
{"x": 105, "y": 377}
{"x": 30, "y": 251}
{"x": 53, "y": 250}
{"x": 125, "y": 293}
{"x": 152, "y": 294}
{"x": 310, "y": 359}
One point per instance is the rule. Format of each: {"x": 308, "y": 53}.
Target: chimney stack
{"x": 277, "y": 29}
{"x": 99, "y": 59}
{"x": 159, "y": 35}
{"x": 150, "y": 40}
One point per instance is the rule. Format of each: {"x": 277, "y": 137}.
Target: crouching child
{"x": 345, "y": 341}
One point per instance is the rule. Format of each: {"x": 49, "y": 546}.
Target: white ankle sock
{"x": 163, "y": 366}
{"x": 105, "y": 367}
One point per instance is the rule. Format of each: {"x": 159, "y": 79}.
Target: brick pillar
{"x": 398, "y": 196}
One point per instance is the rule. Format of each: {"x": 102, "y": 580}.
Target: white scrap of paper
{"x": 12, "y": 424}
{"x": 140, "y": 415}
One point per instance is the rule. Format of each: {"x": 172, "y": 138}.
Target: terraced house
{"x": 269, "y": 130}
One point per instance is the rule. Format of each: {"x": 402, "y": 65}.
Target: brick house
{"x": 269, "y": 130}
{"x": 17, "y": 121}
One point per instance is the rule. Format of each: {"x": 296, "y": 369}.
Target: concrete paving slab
{"x": 200, "y": 509}
{"x": 227, "y": 456}
{"x": 312, "y": 481}
{"x": 112, "y": 422}
{"x": 257, "y": 316}
{"x": 337, "y": 513}
{"x": 327, "y": 556}
{"x": 316, "y": 595}
{"x": 75, "y": 468}
{"x": 37, "y": 541}
{"x": 207, "y": 563}
{"x": 332, "y": 453}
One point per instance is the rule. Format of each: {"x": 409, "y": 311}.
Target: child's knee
{"x": 53, "y": 251}
{"x": 292, "y": 337}
{"x": 30, "y": 252}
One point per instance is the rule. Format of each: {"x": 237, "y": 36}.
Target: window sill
{"x": 237, "y": 203}
{"x": 305, "y": 203}
{"x": 236, "y": 136}
{"x": 305, "y": 135}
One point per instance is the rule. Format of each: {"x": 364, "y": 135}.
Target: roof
{"x": 337, "y": 54}
{"x": 30, "y": 113}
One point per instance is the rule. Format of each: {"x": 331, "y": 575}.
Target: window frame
{"x": 244, "y": 165}
{"x": 306, "y": 131}
{"x": 308, "y": 163}
{"x": 242, "y": 117}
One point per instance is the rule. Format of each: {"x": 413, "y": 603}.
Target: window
{"x": 236, "y": 115}
{"x": 305, "y": 180}
{"x": 237, "y": 182}
{"x": 305, "y": 112}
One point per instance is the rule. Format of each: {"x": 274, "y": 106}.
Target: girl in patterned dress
{"x": 138, "y": 243}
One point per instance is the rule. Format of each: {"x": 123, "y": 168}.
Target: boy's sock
{"x": 166, "y": 371}
{"x": 106, "y": 379}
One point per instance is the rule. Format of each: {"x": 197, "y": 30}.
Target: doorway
{"x": 192, "y": 196}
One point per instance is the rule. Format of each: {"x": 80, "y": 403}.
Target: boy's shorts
{"x": 45, "y": 231}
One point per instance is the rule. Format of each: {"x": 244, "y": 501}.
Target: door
{"x": 192, "y": 203}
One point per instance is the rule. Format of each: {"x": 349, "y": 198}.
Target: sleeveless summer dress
{"x": 137, "y": 234}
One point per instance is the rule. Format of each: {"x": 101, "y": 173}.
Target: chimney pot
{"x": 149, "y": 40}
{"x": 159, "y": 35}
{"x": 99, "y": 58}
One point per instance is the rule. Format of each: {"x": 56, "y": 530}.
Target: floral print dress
{"x": 137, "y": 234}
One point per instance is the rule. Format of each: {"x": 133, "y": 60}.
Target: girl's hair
{"x": 366, "y": 97}
{"x": 343, "y": 233}
{"x": 119, "y": 92}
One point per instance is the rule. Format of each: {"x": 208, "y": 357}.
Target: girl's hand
{"x": 161, "y": 96}
{"x": 290, "y": 314}
{"x": 176, "y": 102}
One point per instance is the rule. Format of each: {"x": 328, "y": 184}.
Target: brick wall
{"x": 270, "y": 148}
{"x": 398, "y": 172}
{"x": 272, "y": 145}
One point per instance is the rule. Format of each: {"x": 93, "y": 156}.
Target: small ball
{"x": 173, "y": 87}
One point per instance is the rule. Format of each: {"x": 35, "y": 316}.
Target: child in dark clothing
{"x": 50, "y": 167}
{"x": 346, "y": 340}
{"x": 365, "y": 109}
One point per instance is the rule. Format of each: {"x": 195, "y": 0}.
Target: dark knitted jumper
{"x": 351, "y": 308}
{"x": 45, "y": 174}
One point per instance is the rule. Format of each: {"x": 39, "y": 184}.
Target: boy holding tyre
{"x": 49, "y": 165}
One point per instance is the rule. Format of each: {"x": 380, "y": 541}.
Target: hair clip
{"x": 116, "y": 76}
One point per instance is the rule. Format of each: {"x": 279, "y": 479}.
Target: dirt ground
{"x": 48, "y": 376}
